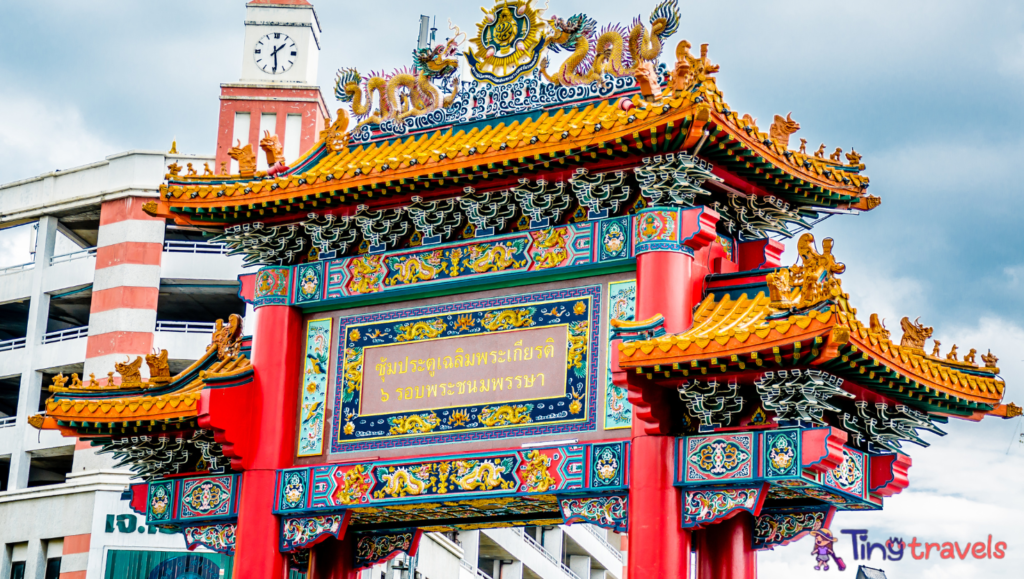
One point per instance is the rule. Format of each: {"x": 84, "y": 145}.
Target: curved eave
{"x": 817, "y": 339}
{"x": 444, "y": 159}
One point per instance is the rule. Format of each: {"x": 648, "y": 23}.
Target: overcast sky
{"x": 930, "y": 92}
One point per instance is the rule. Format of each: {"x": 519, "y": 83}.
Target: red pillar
{"x": 729, "y": 553}
{"x": 332, "y": 559}
{"x": 658, "y": 545}
{"x": 276, "y": 359}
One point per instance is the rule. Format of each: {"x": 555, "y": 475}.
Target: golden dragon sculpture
{"x": 615, "y": 52}
{"x": 402, "y": 93}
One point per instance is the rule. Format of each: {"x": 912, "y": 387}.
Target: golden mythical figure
{"x": 914, "y": 334}
{"x": 782, "y": 128}
{"x": 400, "y": 87}
{"x": 613, "y": 53}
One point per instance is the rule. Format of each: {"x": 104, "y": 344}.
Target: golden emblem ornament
{"x": 509, "y": 42}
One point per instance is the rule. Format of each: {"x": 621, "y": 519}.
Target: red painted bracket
{"x": 822, "y": 448}
{"x": 889, "y": 474}
{"x": 697, "y": 227}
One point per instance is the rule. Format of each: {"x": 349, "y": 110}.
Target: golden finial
{"x": 174, "y": 148}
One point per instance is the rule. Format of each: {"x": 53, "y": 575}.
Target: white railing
{"x": 603, "y": 541}
{"x": 12, "y": 344}
{"x": 65, "y": 335}
{"x": 194, "y": 247}
{"x": 186, "y": 327}
{"x": 90, "y": 252}
{"x": 17, "y": 268}
{"x": 540, "y": 548}
{"x": 8, "y": 421}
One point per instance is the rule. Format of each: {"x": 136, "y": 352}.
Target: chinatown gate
{"x": 541, "y": 295}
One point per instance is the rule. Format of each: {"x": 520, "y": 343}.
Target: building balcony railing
{"x": 480, "y": 573}
{"x": 603, "y": 541}
{"x": 194, "y": 247}
{"x": 540, "y": 549}
{"x": 7, "y": 421}
{"x": 186, "y": 327}
{"x": 13, "y": 344}
{"x": 90, "y": 252}
{"x": 65, "y": 335}
{"x": 17, "y": 268}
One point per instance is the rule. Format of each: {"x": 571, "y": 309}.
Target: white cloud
{"x": 37, "y": 137}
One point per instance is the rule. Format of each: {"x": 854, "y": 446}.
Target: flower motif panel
{"x": 608, "y": 466}
{"x": 781, "y": 453}
{"x": 203, "y": 498}
{"x": 314, "y": 387}
{"x": 721, "y": 457}
{"x": 160, "y": 502}
{"x": 293, "y": 491}
{"x": 309, "y": 282}
{"x": 849, "y": 475}
{"x": 272, "y": 286}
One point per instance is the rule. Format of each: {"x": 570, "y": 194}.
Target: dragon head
{"x": 346, "y": 84}
{"x": 568, "y": 32}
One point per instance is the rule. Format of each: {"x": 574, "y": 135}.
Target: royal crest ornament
{"x": 509, "y": 42}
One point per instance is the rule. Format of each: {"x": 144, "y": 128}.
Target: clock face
{"x": 275, "y": 53}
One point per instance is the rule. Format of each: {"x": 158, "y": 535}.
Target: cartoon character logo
{"x": 823, "y": 551}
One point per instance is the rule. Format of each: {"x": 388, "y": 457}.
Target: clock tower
{"x": 277, "y": 92}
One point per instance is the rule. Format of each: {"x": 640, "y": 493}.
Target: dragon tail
{"x": 669, "y": 10}
{"x": 345, "y": 76}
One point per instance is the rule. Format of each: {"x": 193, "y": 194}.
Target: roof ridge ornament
{"x": 809, "y": 284}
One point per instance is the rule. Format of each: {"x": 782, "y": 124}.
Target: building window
{"x": 18, "y": 570}
{"x": 52, "y": 569}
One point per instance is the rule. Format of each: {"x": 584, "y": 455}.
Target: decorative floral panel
{"x": 781, "y": 452}
{"x": 304, "y": 532}
{"x": 272, "y": 286}
{"x": 314, "y": 387}
{"x": 206, "y": 497}
{"x": 309, "y": 282}
{"x": 609, "y": 465}
{"x": 512, "y": 366}
{"x": 658, "y": 230}
{"x": 373, "y": 548}
{"x": 723, "y": 457}
{"x": 618, "y": 412}
{"x": 610, "y": 512}
{"x": 219, "y": 537}
{"x": 849, "y": 476}
{"x": 705, "y": 506}
{"x": 160, "y": 502}
{"x": 782, "y": 527}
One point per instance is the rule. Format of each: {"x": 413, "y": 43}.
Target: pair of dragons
{"x": 615, "y": 52}
{"x": 403, "y": 93}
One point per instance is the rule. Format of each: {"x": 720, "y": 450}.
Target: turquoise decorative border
{"x": 314, "y": 387}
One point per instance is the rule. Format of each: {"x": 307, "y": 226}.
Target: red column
{"x": 658, "y": 545}
{"x": 332, "y": 559}
{"x": 729, "y": 554}
{"x": 276, "y": 359}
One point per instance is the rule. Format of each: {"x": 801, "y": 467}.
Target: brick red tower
{"x": 277, "y": 91}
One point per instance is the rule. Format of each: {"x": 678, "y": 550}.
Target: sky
{"x": 929, "y": 92}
